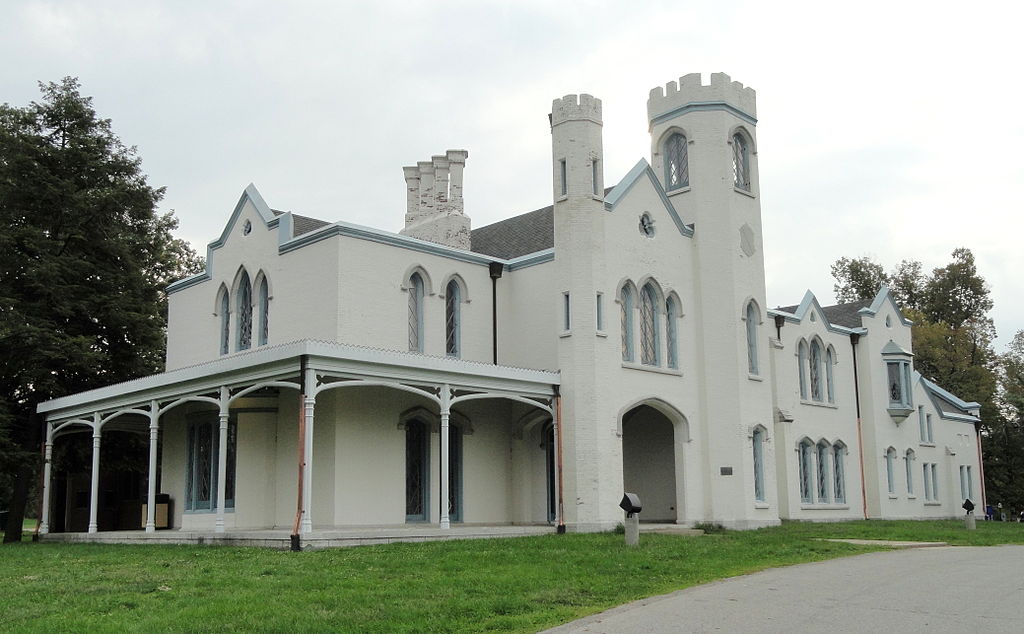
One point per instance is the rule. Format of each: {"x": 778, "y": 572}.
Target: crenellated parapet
{"x": 691, "y": 91}
{"x": 575, "y": 108}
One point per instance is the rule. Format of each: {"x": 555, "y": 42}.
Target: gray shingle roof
{"x": 528, "y": 233}
{"x": 845, "y": 315}
{"x": 303, "y": 224}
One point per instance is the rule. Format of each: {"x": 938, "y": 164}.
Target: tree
{"x": 1004, "y": 455}
{"x": 857, "y": 279}
{"x": 84, "y": 259}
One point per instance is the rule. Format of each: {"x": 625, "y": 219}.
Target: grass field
{"x": 521, "y": 584}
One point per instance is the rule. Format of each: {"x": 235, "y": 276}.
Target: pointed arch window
{"x": 677, "y": 169}
{"x": 672, "y": 332}
{"x": 802, "y": 363}
{"x": 648, "y": 326}
{"x": 452, "y": 319}
{"x": 839, "y": 472}
{"x": 824, "y": 451}
{"x": 225, "y": 322}
{"x": 626, "y": 305}
{"x": 890, "y": 460}
{"x": 759, "y": 464}
{"x": 910, "y": 471}
{"x": 264, "y": 304}
{"x": 815, "y": 371}
{"x": 829, "y": 362}
{"x": 740, "y": 162}
{"x": 244, "y": 312}
{"x": 416, "y": 313}
{"x": 751, "y": 319}
{"x": 805, "y": 455}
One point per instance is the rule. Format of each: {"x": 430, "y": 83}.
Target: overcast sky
{"x": 888, "y": 129}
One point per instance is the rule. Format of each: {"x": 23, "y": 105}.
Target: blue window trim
{"x": 417, "y": 293}
{"x": 628, "y": 352}
{"x": 225, "y": 322}
{"x": 672, "y": 333}
{"x": 243, "y": 334}
{"x": 758, "y": 442}
{"x": 839, "y": 473}
{"x": 264, "y": 304}
{"x": 751, "y": 319}
{"x": 649, "y": 298}
{"x": 192, "y": 503}
{"x": 683, "y": 168}
{"x": 890, "y": 459}
{"x": 453, "y": 319}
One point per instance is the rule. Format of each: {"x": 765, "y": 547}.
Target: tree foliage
{"x": 84, "y": 259}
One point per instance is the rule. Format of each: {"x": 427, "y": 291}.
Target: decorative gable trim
{"x": 876, "y": 305}
{"x": 641, "y": 169}
{"x": 810, "y": 302}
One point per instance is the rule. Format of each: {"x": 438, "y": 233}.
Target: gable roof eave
{"x": 643, "y": 168}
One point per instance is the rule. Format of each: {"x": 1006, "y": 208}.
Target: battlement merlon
{"x": 690, "y": 90}
{"x": 571, "y": 108}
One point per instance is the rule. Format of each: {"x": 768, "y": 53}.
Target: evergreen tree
{"x": 84, "y": 259}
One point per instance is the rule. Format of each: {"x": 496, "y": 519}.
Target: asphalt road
{"x": 933, "y": 590}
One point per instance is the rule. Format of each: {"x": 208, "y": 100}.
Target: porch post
{"x": 445, "y": 414}
{"x": 154, "y": 417}
{"x": 222, "y": 459}
{"x": 307, "y": 469}
{"x": 95, "y": 489}
{"x": 44, "y": 521}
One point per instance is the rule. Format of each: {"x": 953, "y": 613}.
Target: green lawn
{"x": 521, "y": 584}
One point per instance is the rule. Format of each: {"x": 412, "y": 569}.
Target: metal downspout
{"x": 558, "y": 466}
{"x": 496, "y": 269}
{"x": 296, "y": 541}
{"x": 854, "y": 338}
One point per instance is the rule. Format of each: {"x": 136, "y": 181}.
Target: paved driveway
{"x": 947, "y": 589}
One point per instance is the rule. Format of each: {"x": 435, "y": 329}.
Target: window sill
{"x": 928, "y": 444}
{"x": 911, "y": 497}
{"x": 651, "y": 368}
{"x": 678, "y": 190}
{"x": 601, "y": 333}
{"x": 745, "y": 192}
{"x": 933, "y": 503}
{"x": 762, "y": 505}
{"x": 755, "y": 377}
{"x": 819, "y": 404}
{"x": 564, "y": 334}
{"x": 893, "y": 496}
{"x": 562, "y": 198}
{"x": 597, "y": 198}
{"x": 824, "y": 507}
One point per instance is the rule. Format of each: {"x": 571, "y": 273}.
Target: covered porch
{"x": 340, "y": 444}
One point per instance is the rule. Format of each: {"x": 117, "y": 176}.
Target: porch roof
{"x": 283, "y": 362}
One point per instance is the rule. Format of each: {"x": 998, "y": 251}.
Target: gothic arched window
{"x": 740, "y": 162}
{"x": 751, "y": 318}
{"x": 672, "y": 332}
{"x": 626, "y": 303}
{"x": 648, "y": 326}
{"x": 452, "y": 319}
{"x": 677, "y": 169}
{"x": 244, "y": 312}
{"x": 264, "y": 299}
{"x": 416, "y": 313}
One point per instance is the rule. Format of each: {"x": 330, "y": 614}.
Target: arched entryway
{"x": 649, "y": 460}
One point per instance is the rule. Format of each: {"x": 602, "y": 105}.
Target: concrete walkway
{"x": 933, "y": 590}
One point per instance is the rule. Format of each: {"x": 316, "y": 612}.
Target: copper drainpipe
{"x": 296, "y": 543}
{"x": 981, "y": 463}
{"x": 558, "y": 446}
{"x": 854, "y": 338}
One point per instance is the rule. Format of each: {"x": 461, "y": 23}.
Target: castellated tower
{"x": 434, "y": 209}
{"x": 704, "y": 149}
{"x": 579, "y": 217}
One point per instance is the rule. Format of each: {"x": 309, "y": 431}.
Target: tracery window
{"x": 758, "y": 441}
{"x": 203, "y": 457}
{"x": 890, "y": 459}
{"x": 244, "y": 312}
{"x": 909, "y": 458}
{"x": 829, "y": 362}
{"x": 648, "y": 326}
{"x": 805, "y": 455}
{"x": 815, "y": 371}
{"x": 452, "y": 318}
{"x": 740, "y": 162}
{"x": 839, "y": 472}
{"x": 802, "y": 366}
{"x": 264, "y": 295}
{"x": 225, "y": 322}
{"x": 824, "y": 450}
{"x": 626, "y": 305}
{"x": 416, "y": 313}
{"x": 672, "y": 332}
{"x": 751, "y": 319}
{"x": 677, "y": 169}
